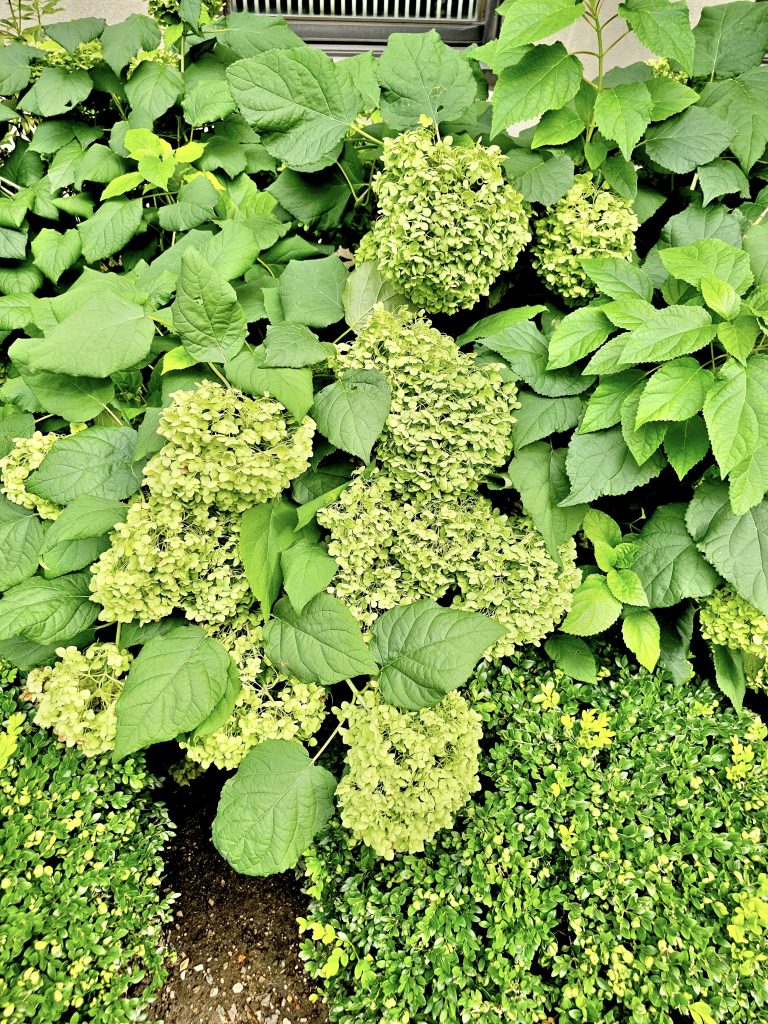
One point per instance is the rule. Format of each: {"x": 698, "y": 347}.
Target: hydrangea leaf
{"x": 57, "y": 91}
{"x": 272, "y": 808}
{"x": 294, "y": 346}
{"x": 683, "y": 142}
{"x": 742, "y": 102}
{"x": 206, "y": 314}
{"x": 557, "y": 127}
{"x": 321, "y": 644}
{"x": 110, "y": 229}
{"x": 54, "y": 251}
{"x": 79, "y": 535}
{"x": 311, "y": 291}
{"x": 541, "y": 177}
{"x": 668, "y": 562}
{"x": 49, "y": 612}
{"x": 123, "y": 41}
{"x": 669, "y": 97}
{"x": 730, "y": 39}
{"x": 307, "y": 570}
{"x": 737, "y": 546}
{"x": 626, "y": 587}
{"x": 730, "y": 677}
{"x": 663, "y": 26}
{"x": 173, "y": 685}
{"x": 676, "y": 391}
{"x": 577, "y": 335}
{"x": 605, "y": 403}
{"x": 618, "y": 278}
{"x": 266, "y": 531}
{"x": 707, "y": 258}
{"x": 538, "y": 417}
{"x": 545, "y": 78}
{"x": 15, "y": 71}
{"x": 218, "y": 717}
{"x": 526, "y": 351}
{"x": 154, "y": 88}
{"x": 601, "y": 463}
{"x": 352, "y": 411}
{"x": 686, "y": 444}
{"x": 644, "y": 440}
{"x": 21, "y": 539}
{"x": 425, "y": 651}
{"x": 298, "y": 101}
{"x": 97, "y": 462}
{"x": 364, "y": 289}
{"x": 573, "y": 656}
{"x": 749, "y": 481}
{"x": 528, "y": 21}
{"x": 538, "y": 473}
{"x": 667, "y": 333}
{"x": 594, "y": 608}
{"x": 70, "y": 34}
{"x": 420, "y": 75}
{"x": 623, "y": 113}
{"x": 735, "y": 411}
{"x": 291, "y": 387}
{"x": 642, "y": 635}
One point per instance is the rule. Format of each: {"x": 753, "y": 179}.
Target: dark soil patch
{"x": 236, "y": 938}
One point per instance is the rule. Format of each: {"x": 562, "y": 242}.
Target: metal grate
{"x": 343, "y": 26}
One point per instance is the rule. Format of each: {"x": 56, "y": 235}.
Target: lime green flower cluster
{"x": 395, "y": 549}
{"x": 408, "y": 771}
{"x": 270, "y": 705}
{"x": 450, "y": 422}
{"x": 178, "y": 547}
{"x": 167, "y": 11}
{"x": 25, "y": 456}
{"x": 76, "y": 697}
{"x": 84, "y": 57}
{"x": 661, "y": 68}
{"x": 448, "y": 222}
{"x": 81, "y": 844}
{"x": 728, "y": 620}
{"x": 590, "y": 220}
{"x": 613, "y": 871}
{"x": 226, "y": 450}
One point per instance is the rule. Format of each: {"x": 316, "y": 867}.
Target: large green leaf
{"x": 80, "y": 534}
{"x": 542, "y": 177}
{"x": 606, "y": 402}
{"x": 307, "y": 570}
{"x": 266, "y": 531}
{"x": 538, "y": 417}
{"x": 364, "y": 290}
{"x": 731, "y": 678}
{"x": 708, "y": 258}
{"x": 642, "y": 440}
{"x": 321, "y": 644}
{"x": 77, "y": 399}
{"x": 420, "y": 75}
{"x": 206, "y": 314}
{"x": 736, "y": 411}
{"x": 642, "y": 635}
{"x": 749, "y": 481}
{"x": 70, "y": 34}
{"x": 270, "y": 811}
{"x": 683, "y": 142}
{"x": 667, "y": 333}
{"x": 173, "y": 685}
{"x": 57, "y": 91}
{"x": 291, "y": 387}
{"x": 676, "y": 391}
{"x": 104, "y": 334}
{"x": 55, "y": 252}
{"x": 97, "y": 462}
{"x": 545, "y": 78}
{"x": 110, "y": 229}
{"x": 21, "y": 538}
{"x": 578, "y": 334}
{"x": 526, "y": 351}
{"x": 663, "y": 26}
{"x": 294, "y": 345}
{"x": 352, "y": 411}
{"x": 599, "y": 464}
{"x": 311, "y": 291}
{"x": 723, "y": 178}
{"x": 730, "y": 38}
{"x": 618, "y": 278}
{"x": 743, "y": 103}
{"x": 668, "y": 562}
{"x": 538, "y": 473}
{"x": 154, "y": 88}
{"x": 623, "y": 113}
{"x": 572, "y": 656}
{"x": 298, "y": 101}
{"x": 123, "y": 41}
{"x": 594, "y": 608}
{"x": 528, "y": 21}
{"x": 425, "y": 651}
{"x": 737, "y": 546}
{"x": 48, "y": 611}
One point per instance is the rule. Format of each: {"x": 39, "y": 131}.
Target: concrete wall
{"x": 111, "y": 10}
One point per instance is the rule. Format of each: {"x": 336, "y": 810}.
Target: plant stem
{"x": 221, "y": 376}
{"x": 365, "y": 135}
{"x": 349, "y": 183}
{"x": 117, "y": 635}
{"x": 592, "y": 16}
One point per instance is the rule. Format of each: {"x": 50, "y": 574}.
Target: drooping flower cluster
{"x": 409, "y": 771}
{"x": 178, "y": 547}
{"x": 730, "y": 621}
{"x": 270, "y": 705}
{"x": 590, "y": 220}
{"x": 25, "y": 456}
{"x": 450, "y": 422}
{"x": 448, "y": 222}
{"x": 395, "y": 549}
{"x": 76, "y": 696}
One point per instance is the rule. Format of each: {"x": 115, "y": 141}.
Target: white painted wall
{"x": 111, "y": 10}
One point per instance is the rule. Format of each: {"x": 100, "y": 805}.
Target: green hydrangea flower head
{"x": 25, "y": 456}
{"x": 408, "y": 771}
{"x": 167, "y": 11}
{"x": 590, "y": 220}
{"x": 661, "y": 68}
{"x": 393, "y": 549}
{"x": 165, "y": 557}
{"x": 270, "y": 705}
{"x": 76, "y": 697}
{"x": 728, "y": 620}
{"x": 451, "y": 419}
{"x": 226, "y": 450}
{"x": 448, "y": 222}
{"x": 84, "y": 57}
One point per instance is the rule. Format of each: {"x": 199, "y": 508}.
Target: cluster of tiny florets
{"x": 448, "y": 222}
{"x": 393, "y": 549}
{"x": 661, "y": 68}
{"x": 269, "y": 706}
{"x": 25, "y": 457}
{"x": 76, "y": 697}
{"x": 728, "y": 620}
{"x": 226, "y": 450}
{"x": 84, "y": 57}
{"x": 167, "y": 11}
{"x": 590, "y": 220}
{"x": 408, "y": 771}
{"x": 450, "y": 422}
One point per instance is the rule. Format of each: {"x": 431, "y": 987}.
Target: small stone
{"x": 214, "y": 992}
{"x": 184, "y": 964}
{"x": 198, "y": 967}
{"x": 237, "y": 988}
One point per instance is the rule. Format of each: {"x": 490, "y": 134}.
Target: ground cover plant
{"x": 284, "y": 457}
{"x": 81, "y": 845}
